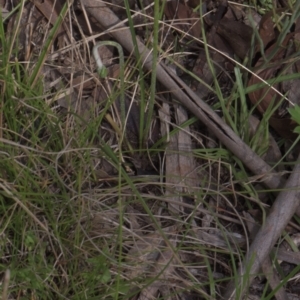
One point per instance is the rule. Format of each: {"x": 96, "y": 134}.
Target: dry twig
{"x": 281, "y": 212}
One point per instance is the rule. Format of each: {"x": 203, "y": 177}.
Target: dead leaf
{"x": 264, "y": 97}
{"x": 237, "y": 35}
{"x": 184, "y": 18}
{"x": 193, "y": 3}
{"x": 266, "y": 31}
{"x": 202, "y": 67}
{"x": 51, "y": 12}
{"x": 47, "y": 9}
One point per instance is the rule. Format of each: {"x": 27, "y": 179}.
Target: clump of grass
{"x": 68, "y": 231}
{"x": 47, "y": 168}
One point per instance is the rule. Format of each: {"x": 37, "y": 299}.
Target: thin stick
{"x": 281, "y": 212}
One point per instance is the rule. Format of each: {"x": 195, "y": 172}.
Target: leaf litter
{"x": 199, "y": 204}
